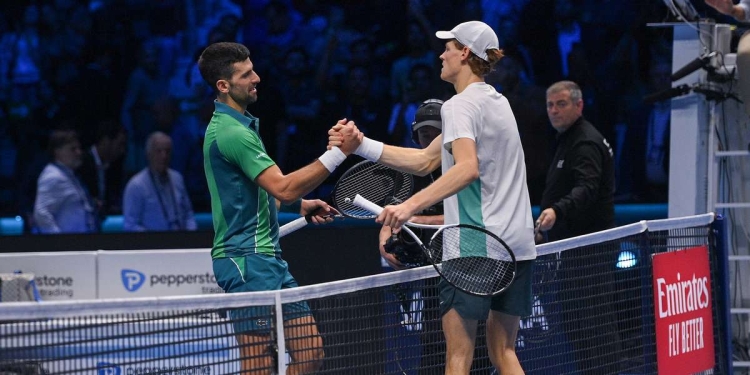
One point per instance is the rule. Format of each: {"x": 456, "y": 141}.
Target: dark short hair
{"x": 216, "y": 61}
{"x": 109, "y": 129}
{"x": 60, "y": 138}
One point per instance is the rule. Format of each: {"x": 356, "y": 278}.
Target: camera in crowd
{"x": 406, "y": 250}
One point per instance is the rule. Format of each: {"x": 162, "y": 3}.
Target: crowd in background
{"x": 116, "y": 71}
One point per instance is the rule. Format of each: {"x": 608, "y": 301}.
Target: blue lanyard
{"x": 177, "y": 222}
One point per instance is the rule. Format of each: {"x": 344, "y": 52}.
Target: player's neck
{"x": 226, "y": 99}
{"x": 464, "y": 79}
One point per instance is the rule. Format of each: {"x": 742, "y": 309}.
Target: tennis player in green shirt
{"x": 247, "y": 191}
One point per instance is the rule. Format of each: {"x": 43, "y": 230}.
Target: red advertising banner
{"x": 682, "y": 308}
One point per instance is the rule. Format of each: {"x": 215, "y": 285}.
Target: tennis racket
{"x": 375, "y": 182}
{"x": 468, "y": 257}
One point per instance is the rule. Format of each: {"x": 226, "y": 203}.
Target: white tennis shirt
{"x": 499, "y": 199}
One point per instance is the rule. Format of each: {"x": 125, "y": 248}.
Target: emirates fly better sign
{"x": 682, "y": 308}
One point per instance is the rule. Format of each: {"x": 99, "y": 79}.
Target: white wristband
{"x": 369, "y": 149}
{"x": 332, "y": 158}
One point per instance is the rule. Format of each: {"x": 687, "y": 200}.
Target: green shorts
{"x": 516, "y": 300}
{"x": 252, "y": 273}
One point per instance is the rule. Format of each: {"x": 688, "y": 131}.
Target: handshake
{"x": 346, "y": 136}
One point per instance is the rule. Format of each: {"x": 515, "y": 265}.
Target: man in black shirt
{"x": 579, "y": 194}
{"x": 578, "y": 199}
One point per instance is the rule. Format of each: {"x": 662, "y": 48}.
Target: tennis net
{"x": 593, "y": 314}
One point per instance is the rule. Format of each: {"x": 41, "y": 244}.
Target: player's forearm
{"x": 410, "y": 160}
{"x": 429, "y": 219}
{"x": 454, "y": 180}
{"x": 300, "y": 182}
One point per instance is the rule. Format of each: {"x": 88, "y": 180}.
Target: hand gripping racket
{"x": 375, "y": 182}
{"x": 468, "y": 257}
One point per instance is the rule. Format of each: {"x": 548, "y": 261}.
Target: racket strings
{"x": 375, "y": 182}
{"x": 473, "y": 260}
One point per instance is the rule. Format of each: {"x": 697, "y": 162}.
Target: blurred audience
{"x": 101, "y": 171}
{"x": 63, "y": 205}
{"x": 70, "y": 64}
{"x": 155, "y": 198}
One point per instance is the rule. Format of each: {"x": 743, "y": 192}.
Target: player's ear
{"x": 223, "y": 86}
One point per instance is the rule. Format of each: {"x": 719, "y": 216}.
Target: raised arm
{"x": 411, "y": 160}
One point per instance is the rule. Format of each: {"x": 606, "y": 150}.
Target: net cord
{"x": 58, "y": 309}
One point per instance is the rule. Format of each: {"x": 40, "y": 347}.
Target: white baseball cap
{"x": 473, "y": 34}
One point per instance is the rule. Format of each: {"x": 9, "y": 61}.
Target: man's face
{"x": 242, "y": 84}
{"x": 69, "y": 155}
{"x": 426, "y": 135}
{"x": 160, "y": 155}
{"x": 113, "y": 148}
{"x": 562, "y": 111}
{"x": 451, "y": 59}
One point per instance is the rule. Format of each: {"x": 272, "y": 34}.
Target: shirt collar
{"x": 97, "y": 159}
{"x": 245, "y": 119}
{"x": 576, "y": 124}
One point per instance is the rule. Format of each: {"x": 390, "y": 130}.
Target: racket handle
{"x": 292, "y": 226}
{"x": 363, "y": 203}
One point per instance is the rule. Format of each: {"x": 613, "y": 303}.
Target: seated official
{"x": 63, "y": 205}
{"x": 155, "y": 198}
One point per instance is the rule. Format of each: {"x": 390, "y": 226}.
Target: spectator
{"x": 142, "y": 93}
{"x": 155, "y": 198}
{"x": 101, "y": 171}
{"x": 527, "y": 101}
{"x": 418, "y": 52}
{"x": 419, "y": 86}
{"x": 579, "y": 199}
{"x": 63, "y": 205}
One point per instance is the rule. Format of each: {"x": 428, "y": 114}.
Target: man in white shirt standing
{"x": 483, "y": 183}
{"x": 63, "y": 205}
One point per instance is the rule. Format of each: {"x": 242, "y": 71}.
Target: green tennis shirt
{"x": 244, "y": 215}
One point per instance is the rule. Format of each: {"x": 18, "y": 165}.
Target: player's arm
{"x": 245, "y": 149}
{"x": 464, "y": 172}
{"x": 428, "y": 219}
{"x": 410, "y": 160}
{"x": 293, "y": 186}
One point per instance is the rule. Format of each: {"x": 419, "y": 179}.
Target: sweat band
{"x": 332, "y": 158}
{"x": 369, "y": 149}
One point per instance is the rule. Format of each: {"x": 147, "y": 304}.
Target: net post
{"x": 646, "y": 253}
{"x": 721, "y": 252}
{"x": 280, "y": 339}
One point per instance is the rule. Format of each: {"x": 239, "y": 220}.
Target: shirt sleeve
{"x": 586, "y": 167}
{"x": 460, "y": 119}
{"x": 243, "y": 147}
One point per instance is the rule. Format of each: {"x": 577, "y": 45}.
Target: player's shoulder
{"x": 231, "y": 131}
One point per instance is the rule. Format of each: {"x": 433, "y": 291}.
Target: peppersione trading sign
{"x": 682, "y": 309}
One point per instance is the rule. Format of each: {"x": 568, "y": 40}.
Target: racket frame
{"x": 374, "y": 208}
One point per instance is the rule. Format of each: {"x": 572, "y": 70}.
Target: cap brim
{"x": 445, "y": 35}
{"x": 433, "y": 123}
